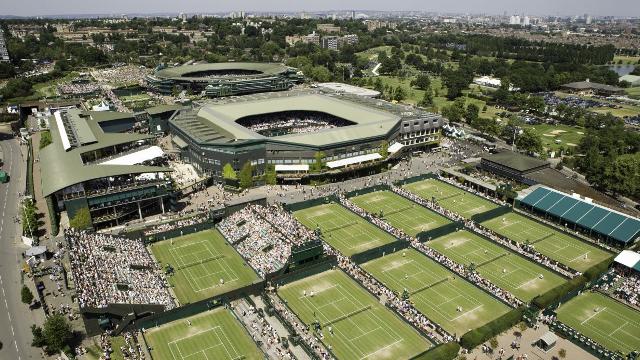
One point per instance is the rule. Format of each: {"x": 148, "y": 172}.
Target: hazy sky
{"x": 533, "y": 7}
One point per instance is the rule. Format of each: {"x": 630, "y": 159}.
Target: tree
{"x": 455, "y": 111}
{"x": 57, "y": 333}
{"x": 319, "y": 161}
{"x": 623, "y": 175}
{"x": 427, "y": 100}
{"x": 246, "y": 175}
{"x": 399, "y": 94}
{"x": 81, "y": 220}
{"x": 472, "y": 113}
{"x": 384, "y": 149}
{"x": 45, "y": 138}
{"x": 270, "y": 174}
{"x": 529, "y": 141}
{"x": 228, "y": 172}
{"x": 26, "y": 295}
{"x": 422, "y": 82}
{"x": 29, "y": 217}
{"x": 38, "y": 336}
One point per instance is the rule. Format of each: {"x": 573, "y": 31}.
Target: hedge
{"x": 446, "y": 351}
{"x": 479, "y": 335}
{"x": 598, "y": 269}
{"x": 554, "y": 295}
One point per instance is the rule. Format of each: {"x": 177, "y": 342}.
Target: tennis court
{"x": 352, "y": 321}
{"x": 521, "y": 277}
{"x": 559, "y": 246}
{"x": 204, "y": 265}
{"x": 214, "y": 334}
{"x": 612, "y": 324}
{"x": 399, "y": 212}
{"x": 451, "y": 197}
{"x": 454, "y": 303}
{"x": 341, "y": 228}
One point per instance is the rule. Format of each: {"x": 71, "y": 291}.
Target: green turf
{"x": 215, "y": 334}
{"x": 569, "y": 136}
{"x": 362, "y": 328}
{"x": 341, "y": 228}
{"x": 451, "y": 197}
{"x": 436, "y": 291}
{"x": 400, "y": 212}
{"x": 504, "y": 268}
{"x": 614, "y": 326}
{"x": 557, "y": 245}
{"x": 200, "y": 260}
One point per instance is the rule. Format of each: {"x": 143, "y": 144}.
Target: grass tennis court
{"x": 400, "y": 212}
{"x": 521, "y": 277}
{"x": 341, "y": 228}
{"x": 436, "y": 291}
{"x": 561, "y": 247}
{"x": 214, "y": 334}
{"x": 451, "y": 197}
{"x": 607, "y": 321}
{"x": 201, "y": 260}
{"x": 354, "y": 323}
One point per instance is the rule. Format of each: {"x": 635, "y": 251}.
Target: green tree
{"x": 427, "y": 99}
{"x": 45, "y": 138}
{"x": 399, "y": 94}
{"x": 455, "y": 111}
{"x": 81, "y": 220}
{"x": 422, "y": 82}
{"x": 270, "y": 174}
{"x": 29, "y": 217}
{"x": 246, "y": 175}
{"x": 472, "y": 113}
{"x": 529, "y": 141}
{"x": 319, "y": 161}
{"x": 228, "y": 172}
{"x": 623, "y": 174}
{"x": 57, "y": 333}
{"x": 384, "y": 149}
{"x": 38, "y": 337}
{"x": 26, "y": 295}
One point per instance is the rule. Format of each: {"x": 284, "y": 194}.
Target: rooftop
{"x": 194, "y": 72}
{"x": 585, "y": 85}
{"x": 515, "y": 160}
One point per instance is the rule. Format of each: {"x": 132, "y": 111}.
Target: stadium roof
{"x": 515, "y": 160}
{"x": 182, "y": 72}
{"x": 572, "y": 209}
{"x": 586, "y": 85}
{"x": 628, "y": 258}
{"x": 221, "y": 119}
{"x": 349, "y": 89}
{"x": 61, "y": 168}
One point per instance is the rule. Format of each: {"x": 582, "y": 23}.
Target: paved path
{"x": 15, "y": 318}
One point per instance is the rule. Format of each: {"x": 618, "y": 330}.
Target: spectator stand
{"x": 172, "y": 229}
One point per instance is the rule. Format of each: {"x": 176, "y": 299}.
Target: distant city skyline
{"x": 626, "y": 8}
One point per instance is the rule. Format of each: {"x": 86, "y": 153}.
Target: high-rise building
{"x": 330, "y": 42}
{"x": 4, "y": 54}
{"x": 526, "y": 21}
{"x": 514, "y": 20}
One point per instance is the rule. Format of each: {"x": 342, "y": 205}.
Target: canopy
{"x": 137, "y": 157}
{"x": 353, "y": 160}
{"x": 395, "y": 147}
{"x": 36, "y": 251}
{"x": 300, "y": 167}
{"x": 628, "y": 258}
{"x": 549, "y": 339}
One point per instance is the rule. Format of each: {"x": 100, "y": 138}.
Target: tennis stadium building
{"x": 225, "y": 79}
{"x": 583, "y": 214}
{"x": 291, "y": 130}
{"x": 95, "y": 162}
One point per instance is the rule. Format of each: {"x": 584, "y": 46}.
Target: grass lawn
{"x": 633, "y": 91}
{"x": 521, "y": 277}
{"x": 344, "y": 230}
{"x": 451, "y": 197}
{"x": 557, "y": 245}
{"x": 353, "y": 322}
{"x": 435, "y": 291}
{"x": 632, "y": 60}
{"x": 214, "y": 334}
{"x": 400, "y": 212}
{"x": 569, "y": 136}
{"x": 50, "y": 88}
{"x": 612, "y": 324}
{"x": 201, "y": 260}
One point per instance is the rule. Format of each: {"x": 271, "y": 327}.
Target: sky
{"x": 529, "y": 7}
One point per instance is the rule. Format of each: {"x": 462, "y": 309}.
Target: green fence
{"x": 311, "y": 203}
{"x": 54, "y": 216}
{"x": 29, "y": 190}
{"x": 493, "y": 213}
{"x": 186, "y": 230}
{"x": 368, "y": 190}
{"x": 416, "y": 179}
{"x": 446, "y": 351}
{"x": 322, "y": 265}
{"x": 380, "y": 251}
{"x": 439, "y": 231}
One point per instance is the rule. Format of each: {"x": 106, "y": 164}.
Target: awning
{"x": 137, "y": 157}
{"x": 549, "y": 338}
{"x": 628, "y": 258}
{"x": 395, "y": 147}
{"x": 297, "y": 168}
{"x": 36, "y": 251}
{"x": 178, "y": 141}
{"x": 353, "y": 160}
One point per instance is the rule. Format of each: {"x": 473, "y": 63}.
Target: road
{"x": 15, "y": 317}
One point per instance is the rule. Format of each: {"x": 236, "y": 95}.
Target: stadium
{"x": 291, "y": 130}
{"x": 224, "y": 79}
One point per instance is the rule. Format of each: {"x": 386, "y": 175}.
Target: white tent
{"x": 137, "y": 157}
{"x": 353, "y": 160}
{"x": 296, "y": 168}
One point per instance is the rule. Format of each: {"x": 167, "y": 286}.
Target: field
{"x": 205, "y": 265}
{"x": 605, "y": 320}
{"x": 451, "y": 197}
{"x": 521, "y": 277}
{"x": 435, "y": 291}
{"x": 561, "y": 247}
{"x": 569, "y": 136}
{"x": 353, "y": 322}
{"x": 400, "y": 212}
{"x": 344, "y": 230}
{"x": 211, "y": 335}
{"x": 633, "y": 92}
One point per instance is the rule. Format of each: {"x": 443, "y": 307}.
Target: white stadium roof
{"x": 353, "y": 160}
{"x": 137, "y": 157}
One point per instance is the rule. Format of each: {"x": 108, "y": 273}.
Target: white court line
{"x": 466, "y": 313}
{"x": 592, "y": 315}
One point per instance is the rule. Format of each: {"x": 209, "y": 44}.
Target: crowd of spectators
{"x": 121, "y": 75}
{"x": 551, "y": 99}
{"x": 628, "y": 289}
{"x": 78, "y": 88}
{"x": 292, "y": 123}
{"x": 261, "y": 331}
{"x": 160, "y": 228}
{"x": 109, "y": 269}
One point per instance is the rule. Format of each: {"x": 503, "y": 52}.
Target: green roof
{"x": 183, "y": 72}
{"x": 515, "y": 160}
{"x": 60, "y": 168}
{"x": 368, "y": 121}
{"x": 160, "y": 109}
